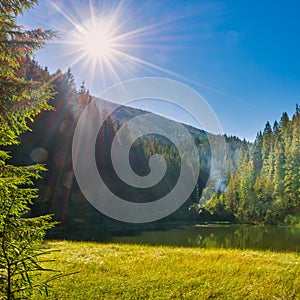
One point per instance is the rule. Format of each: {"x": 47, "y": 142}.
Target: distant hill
{"x": 50, "y": 142}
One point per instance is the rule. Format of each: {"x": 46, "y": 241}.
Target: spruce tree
{"x": 292, "y": 165}
{"x": 20, "y": 101}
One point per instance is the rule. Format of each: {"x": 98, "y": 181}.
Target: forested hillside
{"x": 260, "y": 184}
{"x": 265, "y": 188}
{"x": 50, "y": 143}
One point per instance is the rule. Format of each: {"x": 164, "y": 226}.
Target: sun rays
{"x": 106, "y": 45}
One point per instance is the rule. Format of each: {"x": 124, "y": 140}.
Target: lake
{"x": 221, "y": 236}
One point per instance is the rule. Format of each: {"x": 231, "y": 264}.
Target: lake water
{"x": 221, "y": 236}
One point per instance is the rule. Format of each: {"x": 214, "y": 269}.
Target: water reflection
{"x": 222, "y": 236}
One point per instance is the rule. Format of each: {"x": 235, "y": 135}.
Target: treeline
{"x": 265, "y": 188}
{"x": 50, "y": 143}
{"x": 260, "y": 184}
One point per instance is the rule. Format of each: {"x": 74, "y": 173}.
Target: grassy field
{"x": 115, "y": 271}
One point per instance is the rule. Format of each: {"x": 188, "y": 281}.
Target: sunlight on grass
{"x": 114, "y": 271}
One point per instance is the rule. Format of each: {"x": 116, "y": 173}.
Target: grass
{"x": 117, "y": 271}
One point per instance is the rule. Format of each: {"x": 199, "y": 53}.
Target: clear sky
{"x": 241, "y": 56}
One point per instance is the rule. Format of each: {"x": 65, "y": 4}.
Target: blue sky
{"x": 241, "y": 56}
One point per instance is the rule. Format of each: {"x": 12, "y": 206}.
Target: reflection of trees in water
{"x": 216, "y": 236}
{"x": 245, "y": 237}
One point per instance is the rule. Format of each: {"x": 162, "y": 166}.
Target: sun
{"x": 106, "y": 46}
{"x": 94, "y": 40}
{"x": 97, "y": 44}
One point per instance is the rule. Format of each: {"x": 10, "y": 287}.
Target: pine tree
{"x": 292, "y": 166}
{"x": 21, "y": 100}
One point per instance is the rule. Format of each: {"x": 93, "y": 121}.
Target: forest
{"x": 265, "y": 187}
{"x": 260, "y": 184}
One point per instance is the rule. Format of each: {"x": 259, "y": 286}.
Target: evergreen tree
{"x": 292, "y": 166}
{"x": 21, "y": 100}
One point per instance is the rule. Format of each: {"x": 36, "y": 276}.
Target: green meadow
{"x": 123, "y": 271}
